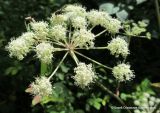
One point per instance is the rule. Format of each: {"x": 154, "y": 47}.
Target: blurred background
{"x": 15, "y": 76}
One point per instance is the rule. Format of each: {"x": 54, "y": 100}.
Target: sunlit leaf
{"x": 140, "y": 1}
{"x": 109, "y": 8}
{"x": 122, "y": 15}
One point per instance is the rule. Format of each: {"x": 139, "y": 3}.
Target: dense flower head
{"x": 29, "y": 37}
{"x": 84, "y": 75}
{"x": 59, "y": 19}
{"x": 75, "y": 10}
{"x": 73, "y": 23}
{"x": 83, "y": 38}
{"x": 41, "y": 87}
{"x": 18, "y": 48}
{"x": 96, "y": 17}
{"x": 58, "y": 32}
{"x": 112, "y": 25}
{"x": 148, "y": 102}
{"x": 40, "y": 29}
{"x": 44, "y": 52}
{"x": 122, "y": 72}
{"x": 79, "y": 22}
{"x": 118, "y": 46}
{"x": 103, "y": 19}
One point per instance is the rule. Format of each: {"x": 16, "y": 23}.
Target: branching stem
{"x": 92, "y": 48}
{"x": 131, "y": 35}
{"x": 100, "y": 33}
{"x": 58, "y": 66}
{"x": 93, "y": 61}
{"x": 74, "y": 57}
{"x": 113, "y": 95}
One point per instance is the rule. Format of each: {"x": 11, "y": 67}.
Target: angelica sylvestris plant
{"x": 70, "y": 30}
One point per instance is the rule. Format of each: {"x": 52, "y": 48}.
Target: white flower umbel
{"x": 58, "y": 33}
{"x": 41, "y": 29}
{"x": 18, "y": 48}
{"x": 122, "y": 72}
{"x": 148, "y": 102}
{"x": 83, "y": 38}
{"x": 41, "y": 87}
{"x": 84, "y": 75}
{"x": 79, "y": 22}
{"x": 97, "y": 17}
{"x": 112, "y": 25}
{"x": 75, "y": 10}
{"x": 44, "y": 52}
{"x": 118, "y": 46}
{"x": 59, "y": 19}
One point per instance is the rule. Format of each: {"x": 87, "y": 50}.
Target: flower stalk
{"x": 58, "y": 66}
{"x": 113, "y": 95}
{"x": 93, "y": 61}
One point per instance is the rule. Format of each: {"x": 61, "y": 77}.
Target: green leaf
{"x": 79, "y": 111}
{"x": 130, "y": 7}
{"x": 115, "y": 110}
{"x": 145, "y": 86}
{"x": 64, "y": 68}
{"x": 95, "y": 102}
{"x": 13, "y": 70}
{"x": 148, "y": 35}
{"x": 97, "y": 105}
{"x": 157, "y": 85}
{"x": 109, "y": 8}
{"x": 60, "y": 75}
{"x": 123, "y": 96}
{"x": 140, "y": 1}
{"x": 122, "y": 15}
{"x": 105, "y": 100}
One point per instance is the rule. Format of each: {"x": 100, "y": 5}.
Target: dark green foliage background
{"x": 15, "y": 76}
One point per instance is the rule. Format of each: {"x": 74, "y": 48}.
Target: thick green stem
{"x": 43, "y": 68}
{"x": 74, "y": 57}
{"x": 113, "y": 95}
{"x": 58, "y": 66}
{"x": 93, "y": 61}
